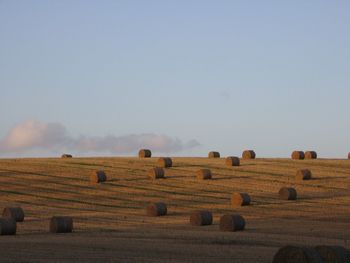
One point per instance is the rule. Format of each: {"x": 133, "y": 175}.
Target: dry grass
{"x": 110, "y": 217}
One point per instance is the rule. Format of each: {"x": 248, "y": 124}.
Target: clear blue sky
{"x": 272, "y": 76}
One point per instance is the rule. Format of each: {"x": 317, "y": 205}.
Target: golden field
{"x": 110, "y": 224}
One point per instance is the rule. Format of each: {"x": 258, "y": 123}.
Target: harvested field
{"x": 110, "y": 221}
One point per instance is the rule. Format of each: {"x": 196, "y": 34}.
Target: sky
{"x": 105, "y": 78}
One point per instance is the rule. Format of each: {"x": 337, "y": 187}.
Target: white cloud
{"x": 32, "y": 135}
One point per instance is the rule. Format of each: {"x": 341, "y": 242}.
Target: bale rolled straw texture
{"x": 287, "y": 193}
{"x": 65, "y": 155}
{"x": 297, "y": 254}
{"x": 201, "y": 218}
{"x": 156, "y": 209}
{"x": 204, "y": 174}
{"x": 213, "y": 154}
{"x": 14, "y": 212}
{"x": 145, "y": 153}
{"x": 303, "y": 174}
{"x": 298, "y": 155}
{"x": 98, "y": 177}
{"x": 232, "y": 222}
{"x": 232, "y": 161}
{"x": 333, "y": 253}
{"x": 156, "y": 173}
{"x": 310, "y": 155}
{"x": 248, "y": 154}
{"x": 240, "y": 199}
{"x": 8, "y": 226}
{"x": 61, "y": 224}
{"x": 164, "y": 162}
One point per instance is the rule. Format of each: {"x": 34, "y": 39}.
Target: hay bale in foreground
{"x": 240, "y": 199}
{"x": 310, "y": 155}
{"x": 156, "y": 173}
{"x": 204, "y": 174}
{"x": 298, "y": 155}
{"x": 8, "y": 226}
{"x": 303, "y": 174}
{"x": 65, "y": 155}
{"x": 61, "y": 224}
{"x": 98, "y": 177}
{"x": 290, "y": 254}
{"x": 232, "y": 222}
{"x": 248, "y": 154}
{"x": 201, "y": 218}
{"x": 156, "y": 209}
{"x": 287, "y": 193}
{"x": 333, "y": 254}
{"x": 164, "y": 162}
{"x": 232, "y": 161}
{"x": 14, "y": 212}
{"x": 145, "y": 153}
{"x": 213, "y": 155}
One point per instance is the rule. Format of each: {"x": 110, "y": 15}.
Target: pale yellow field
{"x": 110, "y": 222}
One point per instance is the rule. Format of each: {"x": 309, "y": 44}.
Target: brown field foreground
{"x": 110, "y": 224}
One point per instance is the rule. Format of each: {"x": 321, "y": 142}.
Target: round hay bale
{"x": 333, "y": 253}
{"x": 240, "y": 199}
{"x": 145, "y": 153}
{"x": 298, "y": 155}
{"x": 303, "y": 174}
{"x": 290, "y": 254}
{"x": 248, "y": 154}
{"x": 14, "y": 212}
{"x": 232, "y": 222}
{"x": 201, "y": 218}
{"x": 204, "y": 174}
{"x": 165, "y": 162}
{"x": 310, "y": 155}
{"x": 287, "y": 193}
{"x": 232, "y": 161}
{"x": 98, "y": 177}
{"x": 8, "y": 226}
{"x": 156, "y": 209}
{"x": 213, "y": 155}
{"x": 65, "y": 155}
{"x": 61, "y": 224}
{"x": 156, "y": 173}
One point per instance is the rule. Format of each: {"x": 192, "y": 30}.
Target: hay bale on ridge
{"x": 8, "y": 226}
{"x": 303, "y": 174}
{"x": 156, "y": 173}
{"x": 61, "y": 224}
{"x": 145, "y": 153}
{"x": 213, "y": 154}
{"x": 310, "y": 155}
{"x": 201, "y": 218}
{"x": 298, "y": 155}
{"x": 232, "y": 161}
{"x": 297, "y": 254}
{"x": 287, "y": 193}
{"x": 65, "y": 155}
{"x": 13, "y": 212}
{"x": 156, "y": 209}
{"x": 204, "y": 174}
{"x": 164, "y": 162}
{"x": 98, "y": 177}
{"x": 248, "y": 154}
{"x": 240, "y": 199}
{"x": 232, "y": 222}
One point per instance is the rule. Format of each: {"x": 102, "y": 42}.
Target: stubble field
{"x": 110, "y": 224}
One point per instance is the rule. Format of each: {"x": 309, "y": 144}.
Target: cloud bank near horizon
{"x": 33, "y": 135}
